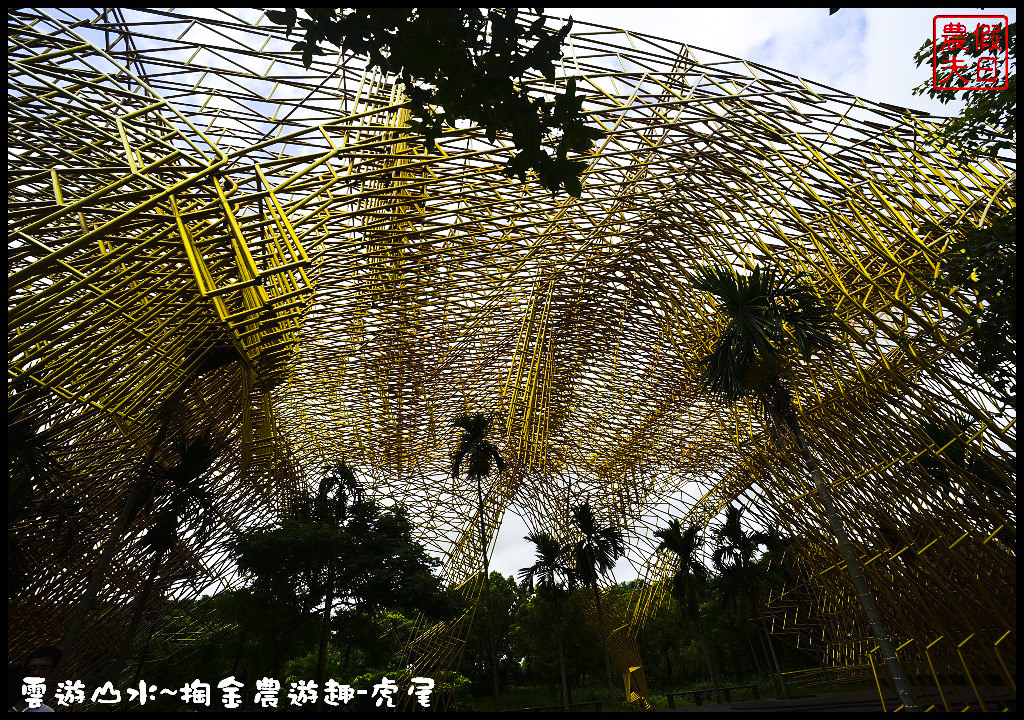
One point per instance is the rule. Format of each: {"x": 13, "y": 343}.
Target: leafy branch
{"x": 466, "y": 64}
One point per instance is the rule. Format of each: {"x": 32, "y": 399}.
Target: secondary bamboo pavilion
{"x": 194, "y": 216}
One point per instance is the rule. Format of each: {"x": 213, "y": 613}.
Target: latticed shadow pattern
{"x": 196, "y": 222}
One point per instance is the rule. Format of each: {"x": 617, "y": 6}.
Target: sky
{"x": 865, "y": 52}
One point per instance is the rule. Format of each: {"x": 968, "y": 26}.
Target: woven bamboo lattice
{"x": 179, "y": 186}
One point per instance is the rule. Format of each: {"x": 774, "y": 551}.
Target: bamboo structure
{"x": 181, "y": 189}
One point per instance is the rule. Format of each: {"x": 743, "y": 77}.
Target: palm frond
{"x": 690, "y": 579}
{"x": 457, "y": 459}
{"x": 499, "y": 461}
{"x": 594, "y": 555}
{"x": 162, "y": 534}
{"x": 684, "y": 545}
{"x": 479, "y": 462}
{"x": 769, "y": 314}
{"x": 584, "y": 518}
{"x": 195, "y": 456}
{"x": 812, "y": 323}
{"x": 474, "y": 425}
{"x": 475, "y": 448}
{"x": 338, "y": 490}
{"x": 550, "y": 564}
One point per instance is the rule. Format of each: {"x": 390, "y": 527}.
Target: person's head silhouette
{"x": 42, "y": 661}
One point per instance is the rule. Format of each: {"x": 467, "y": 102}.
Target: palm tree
{"x": 552, "y": 576}
{"x": 594, "y": 556}
{"x": 212, "y": 357}
{"x": 34, "y": 487}
{"x": 481, "y": 455}
{"x": 187, "y": 504}
{"x": 690, "y": 581}
{"x": 743, "y": 577}
{"x": 766, "y": 310}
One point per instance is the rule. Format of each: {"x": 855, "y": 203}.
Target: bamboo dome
{"x": 193, "y": 214}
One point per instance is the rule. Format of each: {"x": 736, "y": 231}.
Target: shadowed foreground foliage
{"x": 466, "y": 64}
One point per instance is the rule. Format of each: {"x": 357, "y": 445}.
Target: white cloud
{"x": 865, "y": 52}
{"x": 511, "y": 551}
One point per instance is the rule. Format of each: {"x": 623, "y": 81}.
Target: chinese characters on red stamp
{"x": 969, "y": 52}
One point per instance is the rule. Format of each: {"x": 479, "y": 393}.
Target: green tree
{"x": 983, "y": 260}
{"x": 231, "y": 633}
{"x": 466, "y": 64}
{"x": 594, "y": 556}
{"x": 988, "y": 122}
{"x": 480, "y": 456}
{"x": 773, "y": 318}
{"x": 493, "y": 624}
{"x": 337, "y": 490}
{"x": 333, "y": 553}
{"x": 666, "y": 641}
{"x": 370, "y": 642}
{"x": 268, "y": 627}
{"x": 285, "y": 568}
{"x": 536, "y": 646}
{"x": 690, "y": 580}
{"x": 551, "y": 577}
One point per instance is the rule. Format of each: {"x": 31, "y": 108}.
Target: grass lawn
{"x": 531, "y": 696}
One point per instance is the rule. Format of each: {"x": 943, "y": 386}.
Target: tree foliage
{"x": 494, "y": 620}
{"x": 690, "y": 579}
{"x": 987, "y": 124}
{"x": 595, "y": 553}
{"x": 466, "y": 64}
{"x": 593, "y": 557}
{"x": 768, "y": 314}
{"x": 535, "y": 642}
{"x": 743, "y": 571}
{"x": 965, "y": 474}
{"x": 379, "y": 564}
{"x": 478, "y": 453}
{"x": 179, "y": 497}
{"x": 552, "y": 577}
{"x": 551, "y": 571}
{"x": 239, "y": 633}
{"x": 983, "y": 259}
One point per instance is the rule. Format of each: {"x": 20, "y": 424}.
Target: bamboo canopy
{"x": 181, "y": 189}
